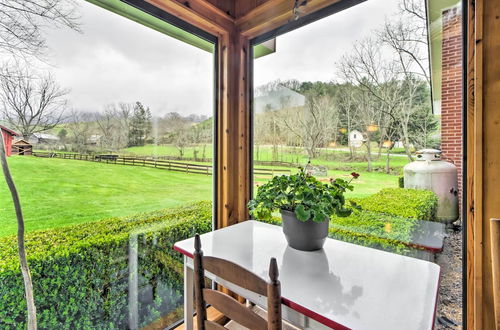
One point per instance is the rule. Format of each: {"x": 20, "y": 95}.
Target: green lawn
{"x": 57, "y": 192}
{"x": 366, "y": 184}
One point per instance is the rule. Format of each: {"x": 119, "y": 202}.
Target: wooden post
{"x": 199, "y": 283}
{"x": 233, "y": 124}
{"x": 495, "y": 264}
{"x": 274, "y": 319}
{"x": 483, "y": 161}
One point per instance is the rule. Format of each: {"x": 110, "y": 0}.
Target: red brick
{"x": 451, "y": 90}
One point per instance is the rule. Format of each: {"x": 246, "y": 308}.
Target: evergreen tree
{"x": 140, "y": 125}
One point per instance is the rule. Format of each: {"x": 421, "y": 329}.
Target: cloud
{"x": 118, "y": 60}
{"x": 310, "y": 53}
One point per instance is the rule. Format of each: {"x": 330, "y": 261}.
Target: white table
{"x": 342, "y": 286}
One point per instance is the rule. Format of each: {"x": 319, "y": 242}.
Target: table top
{"x": 343, "y": 284}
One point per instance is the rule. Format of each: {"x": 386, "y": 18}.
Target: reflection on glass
{"x": 119, "y": 171}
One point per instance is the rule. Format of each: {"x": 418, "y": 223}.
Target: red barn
{"x": 8, "y": 137}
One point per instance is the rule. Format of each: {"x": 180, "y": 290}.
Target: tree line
{"x": 125, "y": 125}
{"x": 382, "y": 90}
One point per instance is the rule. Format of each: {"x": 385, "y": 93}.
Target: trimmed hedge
{"x": 370, "y": 229}
{"x": 80, "y": 273}
{"x": 400, "y": 202}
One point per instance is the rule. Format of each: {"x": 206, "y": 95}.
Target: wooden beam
{"x": 274, "y": 14}
{"x": 474, "y": 165}
{"x": 233, "y": 130}
{"x": 199, "y": 13}
{"x": 495, "y": 254}
{"x": 483, "y": 161}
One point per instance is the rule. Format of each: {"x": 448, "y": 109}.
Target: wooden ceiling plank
{"x": 274, "y": 14}
{"x": 199, "y": 13}
{"x": 226, "y": 6}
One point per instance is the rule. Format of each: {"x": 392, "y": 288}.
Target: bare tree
{"x": 350, "y": 112}
{"x": 79, "y": 126}
{"x": 22, "y": 22}
{"x": 315, "y": 123}
{"x": 125, "y": 113}
{"x": 28, "y": 284}
{"x": 407, "y": 36}
{"x": 30, "y": 103}
{"x": 108, "y": 125}
{"x": 389, "y": 80}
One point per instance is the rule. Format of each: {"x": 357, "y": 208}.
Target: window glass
{"x": 116, "y": 168}
{"x": 363, "y": 100}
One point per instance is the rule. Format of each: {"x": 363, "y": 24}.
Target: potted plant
{"x": 306, "y": 206}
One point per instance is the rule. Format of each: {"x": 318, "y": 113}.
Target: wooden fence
{"x": 155, "y": 163}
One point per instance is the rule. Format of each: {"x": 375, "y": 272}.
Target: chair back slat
{"x": 226, "y": 304}
{"x": 211, "y": 325}
{"x": 235, "y": 274}
{"x": 231, "y": 308}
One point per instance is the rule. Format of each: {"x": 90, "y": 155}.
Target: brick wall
{"x": 451, "y": 90}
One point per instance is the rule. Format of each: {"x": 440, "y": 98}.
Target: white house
{"x": 356, "y": 139}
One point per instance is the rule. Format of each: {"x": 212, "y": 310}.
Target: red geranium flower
{"x": 355, "y": 175}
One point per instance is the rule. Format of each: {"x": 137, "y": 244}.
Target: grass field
{"x": 57, "y": 192}
{"x": 366, "y": 184}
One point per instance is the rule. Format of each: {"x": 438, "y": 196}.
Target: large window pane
{"x": 117, "y": 169}
{"x": 364, "y": 95}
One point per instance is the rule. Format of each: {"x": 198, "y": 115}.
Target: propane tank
{"x": 430, "y": 172}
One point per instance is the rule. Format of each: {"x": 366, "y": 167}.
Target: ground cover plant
{"x": 384, "y": 220}
{"x": 409, "y": 203}
{"x": 58, "y": 192}
{"x": 80, "y": 273}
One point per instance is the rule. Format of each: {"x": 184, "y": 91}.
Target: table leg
{"x": 188, "y": 296}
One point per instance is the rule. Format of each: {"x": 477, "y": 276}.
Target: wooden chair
{"x": 229, "y": 306}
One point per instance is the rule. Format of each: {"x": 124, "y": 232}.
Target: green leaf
{"x": 302, "y": 214}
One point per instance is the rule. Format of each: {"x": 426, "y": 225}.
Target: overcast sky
{"x": 117, "y": 60}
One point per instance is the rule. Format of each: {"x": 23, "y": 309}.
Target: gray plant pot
{"x": 305, "y": 236}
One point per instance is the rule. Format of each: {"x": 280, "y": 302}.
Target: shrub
{"x": 81, "y": 273}
{"x": 370, "y": 229}
{"x": 408, "y": 203}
